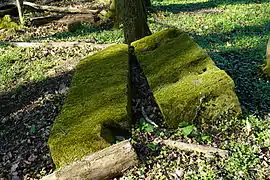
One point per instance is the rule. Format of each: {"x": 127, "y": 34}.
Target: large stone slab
{"x": 187, "y": 84}
{"x": 97, "y": 96}
{"x": 185, "y": 81}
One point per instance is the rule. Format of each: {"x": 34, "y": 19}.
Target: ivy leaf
{"x": 183, "y": 124}
{"x": 187, "y": 130}
{"x": 206, "y": 138}
{"x": 33, "y": 129}
{"x": 148, "y": 128}
{"x": 161, "y": 134}
{"x": 151, "y": 146}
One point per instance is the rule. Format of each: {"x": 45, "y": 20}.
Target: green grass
{"x": 25, "y": 65}
{"x": 17, "y": 67}
{"x": 85, "y": 33}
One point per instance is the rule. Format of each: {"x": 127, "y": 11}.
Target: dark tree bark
{"x": 134, "y": 19}
{"x": 147, "y": 3}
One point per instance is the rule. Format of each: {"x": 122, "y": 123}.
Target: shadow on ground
{"x": 243, "y": 65}
{"x": 82, "y": 31}
{"x": 192, "y": 7}
{"x": 26, "y": 116}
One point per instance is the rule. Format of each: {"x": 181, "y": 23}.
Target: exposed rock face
{"x": 186, "y": 83}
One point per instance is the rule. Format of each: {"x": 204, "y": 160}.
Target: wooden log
{"x": 208, "y": 150}
{"x": 56, "y": 44}
{"x": 38, "y": 21}
{"x": 38, "y": 7}
{"x": 105, "y": 164}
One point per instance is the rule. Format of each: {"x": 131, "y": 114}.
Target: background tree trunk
{"x": 147, "y": 4}
{"x": 134, "y": 19}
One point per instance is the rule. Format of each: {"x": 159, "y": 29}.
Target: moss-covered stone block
{"x": 96, "y": 97}
{"x": 185, "y": 81}
{"x": 187, "y": 84}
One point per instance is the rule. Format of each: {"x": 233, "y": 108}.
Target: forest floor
{"x": 34, "y": 83}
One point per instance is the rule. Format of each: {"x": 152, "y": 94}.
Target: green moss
{"x": 97, "y": 95}
{"x": 7, "y": 23}
{"x": 266, "y": 68}
{"x": 186, "y": 83}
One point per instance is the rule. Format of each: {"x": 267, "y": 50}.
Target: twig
{"x": 198, "y": 108}
{"x": 147, "y": 119}
{"x": 195, "y": 147}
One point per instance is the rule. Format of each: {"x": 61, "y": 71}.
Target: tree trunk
{"x": 147, "y": 4}
{"x": 134, "y": 19}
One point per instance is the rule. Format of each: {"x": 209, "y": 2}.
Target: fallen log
{"x": 105, "y": 164}
{"x": 55, "y": 44}
{"x": 208, "y": 150}
{"x": 38, "y": 21}
{"x": 38, "y": 7}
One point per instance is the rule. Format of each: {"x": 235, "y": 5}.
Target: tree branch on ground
{"x": 37, "y": 7}
{"x": 55, "y": 44}
{"x": 38, "y": 21}
{"x": 208, "y": 150}
{"x": 105, "y": 164}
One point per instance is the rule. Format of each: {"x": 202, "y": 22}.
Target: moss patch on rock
{"x": 96, "y": 97}
{"x": 186, "y": 83}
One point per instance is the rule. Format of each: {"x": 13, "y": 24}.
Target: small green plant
{"x": 152, "y": 146}
{"x": 7, "y": 23}
{"x": 186, "y": 131}
{"x": 146, "y": 127}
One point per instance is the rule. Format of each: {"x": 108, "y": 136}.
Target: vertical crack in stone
{"x": 141, "y": 101}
